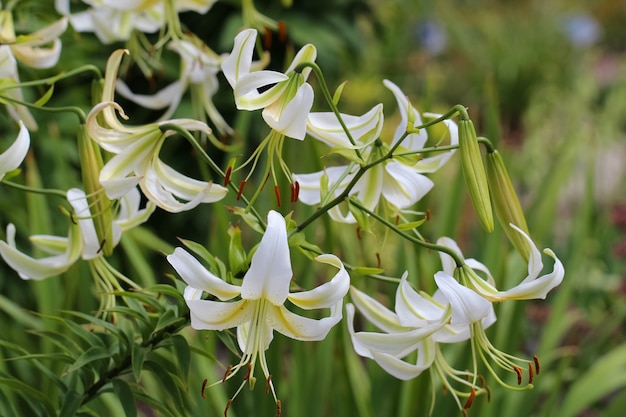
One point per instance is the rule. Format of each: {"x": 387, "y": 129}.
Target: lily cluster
{"x": 461, "y": 309}
{"x": 384, "y": 173}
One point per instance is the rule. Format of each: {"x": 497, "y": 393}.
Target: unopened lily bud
{"x": 99, "y": 204}
{"x": 236, "y": 253}
{"x": 474, "y": 173}
{"x": 506, "y": 203}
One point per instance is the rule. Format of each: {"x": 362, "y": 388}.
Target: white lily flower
{"x": 419, "y": 325}
{"x": 531, "y": 287}
{"x": 13, "y": 157}
{"x": 399, "y": 181}
{"x": 113, "y": 21}
{"x": 286, "y": 104}
{"x": 136, "y": 155}
{"x": 258, "y": 307}
{"x": 200, "y": 67}
{"x": 40, "y": 49}
{"x": 81, "y": 242}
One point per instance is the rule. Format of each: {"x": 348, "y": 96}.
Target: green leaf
{"x": 25, "y": 389}
{"x": 156, "y": 404}
{"x": 366, "y": 270}
{"x": 126, "y": 397}
{"x": 168, "y": 381}
{"x": 606, "y": 376}
{"x": 411, "y": 225}
{"x": 71, "y": 403}
{"x": 45, "y": 98}
{"x": 338, "y": 91}
{"x": 19, "y": 314}
{"x": 183, "y": 354}
{"x": 138, "y": 356}
{"x": 95, "y": 353}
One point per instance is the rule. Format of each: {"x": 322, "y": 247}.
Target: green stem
{"x": 457, "y": 258}
{"x": 185, "y": 133}
{"x": 488, "y": 145}
{"x": 320, "y": 77}
{"x": 428, "y": 150}
{"x": 58, "y": 77}
{"x": 456, "y": 109}
{"x": 58, "y": 193}
{"x": 71, "y": 109}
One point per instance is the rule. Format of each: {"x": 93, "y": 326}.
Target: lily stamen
{"x": 470, "y": 400}
{"x": 202, "y": 394}
{"x": 536, "y": 360}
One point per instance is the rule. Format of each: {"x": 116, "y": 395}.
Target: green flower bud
{"x": 236, "y": 254}
{"x": 474, "y": 173}
{"x": 506, "y": 203}
{"x": 99, "y": 204}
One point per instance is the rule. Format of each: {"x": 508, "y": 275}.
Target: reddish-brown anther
{"x": 282, "y": 31}
{"x": 537, "y": 368}
{"x": 268, "y": 384}
{"x": 230, "y": 368}
{"x": 531, "y": 374}
{"x": 229, "y": 171}
{"x": 227, "y": 407}
{"x": 240, "y": 191}
{"x": 519, "y": 373}
{"x": 278, "y": 408}
{"x": 470, "y": 399}
{"x": 378, "y": 259}
{"x": 277, "y": 192}
{"x": 267, "y": 38}
{"x": 203, "y": 388}
{"x": 247, "y": 377}
{"x": 296, "y": 191}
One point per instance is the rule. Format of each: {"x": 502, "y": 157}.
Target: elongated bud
{"x": 474, "y": 173}
{"x": 99, "y": 204}
{"x": 506, "y": 203}
{"x": 236, "y": 253}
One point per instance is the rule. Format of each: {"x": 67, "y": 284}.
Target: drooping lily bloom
{"x": 289, "y": 98}
{"x": 468, "y": 279}
{"x": 419, "y": 325}
{"x": 200, "y": 67}
{"x": 112, "y": 20}
{"x": 136, "y": 155}
{"x": 257, "y": 307}
{"x": 13, "y": 157}
{"x": 40, "y": 49}
{"x": 531, "y": 287}
{"x": 81, "y": 242}
{"x": 399, "y": 182}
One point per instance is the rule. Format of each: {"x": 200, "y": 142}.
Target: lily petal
{"x": 326, "y": 295}
{"x": 403, "y": 186}
{"x": 298, "y": 327}
{"x": 239, "y": 61}
{"x": 13, "y": 157}
{"x": 412, "y": 308}
{"x": 290, "y": 119}
{"x": 197, "y": 276}
{"x": 30, "y": 268}
{"x": 364, "y": 129}
{"x": 467, "y": 306}
{"x": 78, "y": 201}
{"x": 376, "y": 313}
{"x": 218, "y": 315}
{"x": 404, "y": 370}
{"x": 270, "y": 270}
